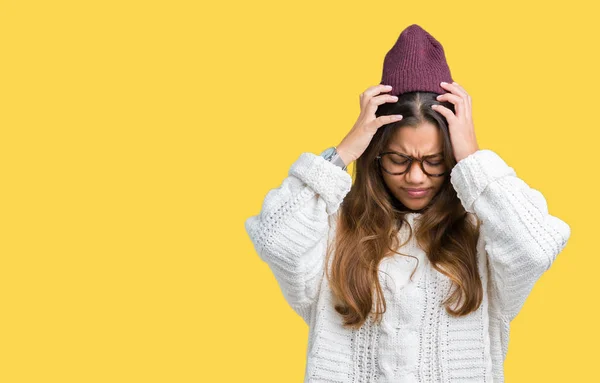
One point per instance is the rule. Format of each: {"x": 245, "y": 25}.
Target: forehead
{"x": 421, "y": 140}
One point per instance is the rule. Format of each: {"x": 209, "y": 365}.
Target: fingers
{"x": 457, "y": 96}
{"x": 375, "y": 90}
{"x": 384, "y": 120}
{"x": 370, "y": 107}
{"x": 455, "y": 88}
{"x": 454, "y": 99}
{"x": 371, "y": 98}
{"x": 372, "y": 92}
{"x": 444, "y": 112}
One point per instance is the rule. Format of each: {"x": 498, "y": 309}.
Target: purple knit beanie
{"x": 415, "y": 62}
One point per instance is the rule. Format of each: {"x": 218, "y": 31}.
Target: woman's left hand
{"x": 462, "y": 131}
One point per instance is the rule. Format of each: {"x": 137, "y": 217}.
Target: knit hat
{"x": 415, "y": 62}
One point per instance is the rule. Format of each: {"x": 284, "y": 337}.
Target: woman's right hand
{"x": 359, "y": 137}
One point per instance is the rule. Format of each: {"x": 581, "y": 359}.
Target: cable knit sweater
{"x": 417, "y": 340}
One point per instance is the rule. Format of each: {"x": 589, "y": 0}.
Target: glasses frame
{"x": 411, "y": 159}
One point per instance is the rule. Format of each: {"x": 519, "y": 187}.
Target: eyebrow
{"x": 428, "y": 155}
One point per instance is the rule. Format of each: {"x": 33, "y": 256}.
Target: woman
{"x": 432, "y": 251}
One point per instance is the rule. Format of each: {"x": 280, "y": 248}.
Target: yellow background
{"x": 137, "y": 136}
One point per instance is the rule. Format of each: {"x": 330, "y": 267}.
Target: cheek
{"x": 392, "y": 182}
{"x": 438, "y": 184}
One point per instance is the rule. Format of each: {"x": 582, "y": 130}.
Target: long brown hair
{"x": 370, "y": 218}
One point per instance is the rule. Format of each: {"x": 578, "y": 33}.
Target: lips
{"x": 417, "y": 193}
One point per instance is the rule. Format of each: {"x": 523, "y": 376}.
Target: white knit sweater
{"x": 417, "y": 340}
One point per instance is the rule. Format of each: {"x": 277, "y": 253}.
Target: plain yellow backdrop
{"x": 137, "y": 137}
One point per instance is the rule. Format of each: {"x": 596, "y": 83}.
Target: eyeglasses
{"x": 396, "y": 163}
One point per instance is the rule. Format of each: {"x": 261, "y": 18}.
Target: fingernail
{"x": 443, "y": 83}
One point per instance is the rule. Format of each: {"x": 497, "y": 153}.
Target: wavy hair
{"x": 370, "y": 218}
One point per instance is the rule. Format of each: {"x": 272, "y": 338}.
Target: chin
{"x": 415, "y": 205}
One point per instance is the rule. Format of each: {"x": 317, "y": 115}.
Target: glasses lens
{"x": 395, "y": 163}
{"x": 434, "y": 165}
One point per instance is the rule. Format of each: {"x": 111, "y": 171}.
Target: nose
{"x": 415, "y": 173}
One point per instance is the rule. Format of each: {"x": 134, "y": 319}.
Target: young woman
{"x": 414, "y": 272}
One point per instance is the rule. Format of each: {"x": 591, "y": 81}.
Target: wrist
{"x": 343, "y": 154}
{"x": 462, "y": 155}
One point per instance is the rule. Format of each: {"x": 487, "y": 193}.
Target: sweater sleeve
{"x": 290, "y": 232}
{"x": 521, "y": 238}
